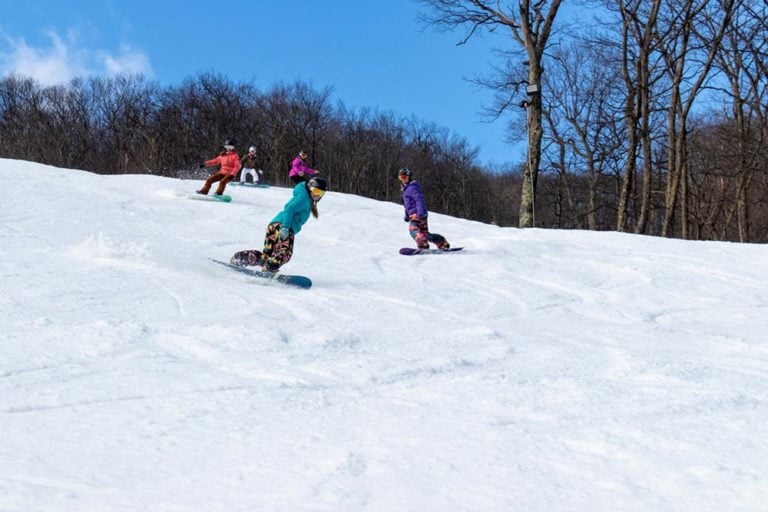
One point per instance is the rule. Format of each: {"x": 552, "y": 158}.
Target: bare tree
{"x": 530, "y": 24}
{"x": 70, "y": 134}
{"x": 582, "y": 112}
{"x": 638, "y": 25}
{"x": 296, "y": 117}
{"x": 125, "y": 106}
{"x": 21, "y": 112}
{"x": 690, "y": 40}
{"x": 741, "y": 60}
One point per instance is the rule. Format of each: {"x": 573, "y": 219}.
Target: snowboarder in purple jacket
{"x": 416, "y": 212}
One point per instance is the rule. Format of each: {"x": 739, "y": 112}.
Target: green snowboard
{"x": 212, "y": 197}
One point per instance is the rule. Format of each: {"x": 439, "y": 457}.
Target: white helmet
{"x": 252, "y": 149}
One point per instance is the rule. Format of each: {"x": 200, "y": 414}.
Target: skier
{"x": 416, "y": 212}
{"x": 278, "y": 242}
{"x": 228, "y": 162}
{"x": 248, "y": 163}
{"x": 300, "y": 171}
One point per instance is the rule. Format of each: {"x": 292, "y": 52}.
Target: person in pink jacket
{"x": 300, "y": 171}
{"x": 228, "y": 162}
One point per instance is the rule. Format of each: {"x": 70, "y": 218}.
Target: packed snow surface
{"x": 537, "y": 370}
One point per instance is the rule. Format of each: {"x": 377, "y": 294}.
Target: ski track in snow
{"x": 535, "y": 370}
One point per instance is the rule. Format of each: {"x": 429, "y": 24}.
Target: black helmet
{"x": 318, "y": 182}
{"x": 405, "y": 172}
{"x": 230, "y": 142}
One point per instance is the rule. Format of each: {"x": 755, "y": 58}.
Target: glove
{"x": 201, "y": 165}
{"x": 405, "y": 219}
{"x": 284, "y": 233}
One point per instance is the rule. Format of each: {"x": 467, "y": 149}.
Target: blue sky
{"x": 374, "y": 53}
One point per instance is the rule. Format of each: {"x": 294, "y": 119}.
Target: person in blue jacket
{"x": 416, "y": 212}
{"x": 278, "y": 242}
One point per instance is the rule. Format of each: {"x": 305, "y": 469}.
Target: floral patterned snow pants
{"x": 275, "y": 254}
{"x": 419, "y": 231}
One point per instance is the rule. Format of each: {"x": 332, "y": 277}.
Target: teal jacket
{"x": 296, "y": 211}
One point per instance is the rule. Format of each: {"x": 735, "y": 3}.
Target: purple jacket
{"x": 413, "y": 199}
{"x": 298, "y": 168}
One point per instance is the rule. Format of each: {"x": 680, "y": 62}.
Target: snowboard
{"x": 252, "y": 185}
{"x": 298, "y": 281}
{"x": 211, "y": 197}
{"x": 410, "y": 251}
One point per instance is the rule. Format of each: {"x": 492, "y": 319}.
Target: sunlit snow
{"x": 537, "y": 370}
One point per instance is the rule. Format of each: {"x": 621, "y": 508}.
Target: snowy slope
{"x": 536, "y": 370}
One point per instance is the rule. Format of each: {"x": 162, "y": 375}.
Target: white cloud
{"x": 129, "y": 61}
{"x": 64, "y": 59}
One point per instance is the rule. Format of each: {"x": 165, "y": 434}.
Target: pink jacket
{"x": 299, "y": 168}
{"x": 229, "y": 162}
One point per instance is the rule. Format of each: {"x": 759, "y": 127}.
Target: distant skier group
{"x": 309, "y": 188}
{"x": 229, "y": 163}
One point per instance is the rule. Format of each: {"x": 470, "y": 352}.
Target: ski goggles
{"x": 317, "y": 192}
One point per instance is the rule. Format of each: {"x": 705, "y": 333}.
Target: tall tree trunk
{"x": 530, "y": 23}
{"x": 647, "y": 149}
{"x": 627, "y": 183}
{"x": 742, "y": 215}
{"x": 673, "y": 169}
{"x": 684, "y": 191}
{"x": 531, "y": 173}
{"x": 637, "y": 80}
{"x": 535, "y": 28}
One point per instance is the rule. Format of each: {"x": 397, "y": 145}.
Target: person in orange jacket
{"x": 228, "y": 162}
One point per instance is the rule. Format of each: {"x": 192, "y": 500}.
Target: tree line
{"x": 653, "y": 122}
{"x": 130, "y": 124}
{"x": 652, "y": 118}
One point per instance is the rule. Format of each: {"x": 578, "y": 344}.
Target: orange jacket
{"x": 228, "y": 160}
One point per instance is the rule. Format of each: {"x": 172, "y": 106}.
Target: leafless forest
{"x": 654, "y": 122}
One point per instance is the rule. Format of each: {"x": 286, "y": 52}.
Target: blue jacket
{"x": 296, "y": 211}
{"x": 413, "y": 199}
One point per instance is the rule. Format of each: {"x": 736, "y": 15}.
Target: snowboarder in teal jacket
{"x": 278, "y": 242}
